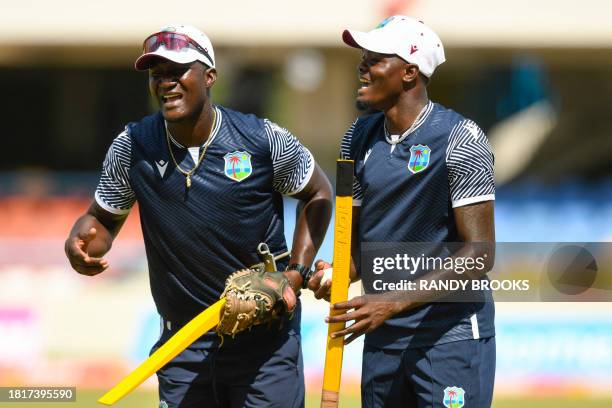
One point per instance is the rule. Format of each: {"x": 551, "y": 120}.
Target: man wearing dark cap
{"x": 423, "y": 174}
{"x": 209, "y": 183}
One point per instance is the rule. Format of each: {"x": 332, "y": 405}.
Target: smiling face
{"x": 181, "y": 90}
{"x": 383, "y": 78}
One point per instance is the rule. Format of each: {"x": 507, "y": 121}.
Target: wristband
{"x": 304, "y": 271}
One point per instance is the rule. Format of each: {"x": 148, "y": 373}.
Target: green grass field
{"x": 87, "y": 399}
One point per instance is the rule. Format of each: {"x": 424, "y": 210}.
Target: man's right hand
{"x": 76, "y": 250}
{"x": 320, "y": 282}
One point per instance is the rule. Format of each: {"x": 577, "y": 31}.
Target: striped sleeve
{"x": 114, "y": 192}
{"x": 292, "y": 162}
{"x": 469, "y": 159}
{"x": 345, "y": 153}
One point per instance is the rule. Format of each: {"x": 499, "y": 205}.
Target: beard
{"x": 362, "y": 106}
{"x": 365, "y": 108}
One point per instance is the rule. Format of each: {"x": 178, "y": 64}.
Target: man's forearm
{"x": 310, "y": 229}
{"x": 103, "y": 240}
{"x": 107, "y": 227}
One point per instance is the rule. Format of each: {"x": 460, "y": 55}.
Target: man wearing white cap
{"x": 423, "y": 174}
{"x": 209, "y": 183}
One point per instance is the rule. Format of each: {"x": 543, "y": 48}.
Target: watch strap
{"x": 304, "y": 271}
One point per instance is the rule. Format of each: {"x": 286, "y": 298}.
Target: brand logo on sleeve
{"x": 237, "y": 165}
{"x": 472, "y": 128}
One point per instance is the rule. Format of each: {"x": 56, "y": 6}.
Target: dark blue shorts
{"x": 457, "y": 374}
{"x": 263, "y": 371}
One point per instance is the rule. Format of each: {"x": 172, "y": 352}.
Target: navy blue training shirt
{"x": 407, "y": 186}
{"x": 195, "y": 237}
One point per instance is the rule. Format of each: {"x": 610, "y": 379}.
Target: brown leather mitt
{"x": 252, "y": 298}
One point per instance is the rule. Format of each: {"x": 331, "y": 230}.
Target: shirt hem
{"x": 403, "y": 344}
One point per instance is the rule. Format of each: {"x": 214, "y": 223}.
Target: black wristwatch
{"x": 305, "y": 271}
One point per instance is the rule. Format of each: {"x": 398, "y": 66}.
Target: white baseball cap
{"x": 405, "y": 37}
{"x": 178, "y": 43}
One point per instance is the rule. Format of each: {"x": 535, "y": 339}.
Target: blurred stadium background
{"x": 536, "y": 75}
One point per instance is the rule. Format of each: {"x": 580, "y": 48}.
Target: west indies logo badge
{"x": 237, "y": 165}
{"x": 419, "y": 158}
{"x": 454, "y": 397}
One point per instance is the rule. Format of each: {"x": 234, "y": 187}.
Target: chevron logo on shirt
{"x": 161, "y": 166}
{"x": 367, "y": 155}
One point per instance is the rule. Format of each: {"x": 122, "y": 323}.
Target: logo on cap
{"x": 385, "y": 22}
{"x": 413, "y": 49}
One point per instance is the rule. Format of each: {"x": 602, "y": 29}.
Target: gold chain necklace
{"x": 186, "y": 173}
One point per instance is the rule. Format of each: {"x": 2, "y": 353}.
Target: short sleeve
{"x": 292, "y": 162}
{"x": 469, "y": 160}
{"x": 114, "y": 192}
{"x": 345, "y": 153}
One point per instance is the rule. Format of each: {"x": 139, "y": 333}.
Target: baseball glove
{"x": 252, "y": 297}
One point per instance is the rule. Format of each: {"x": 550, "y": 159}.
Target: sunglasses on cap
{"x": 172, "y": 41}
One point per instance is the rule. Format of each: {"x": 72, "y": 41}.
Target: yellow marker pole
{"x": 199, "y": 325}
{"x": 340, "y": 281}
